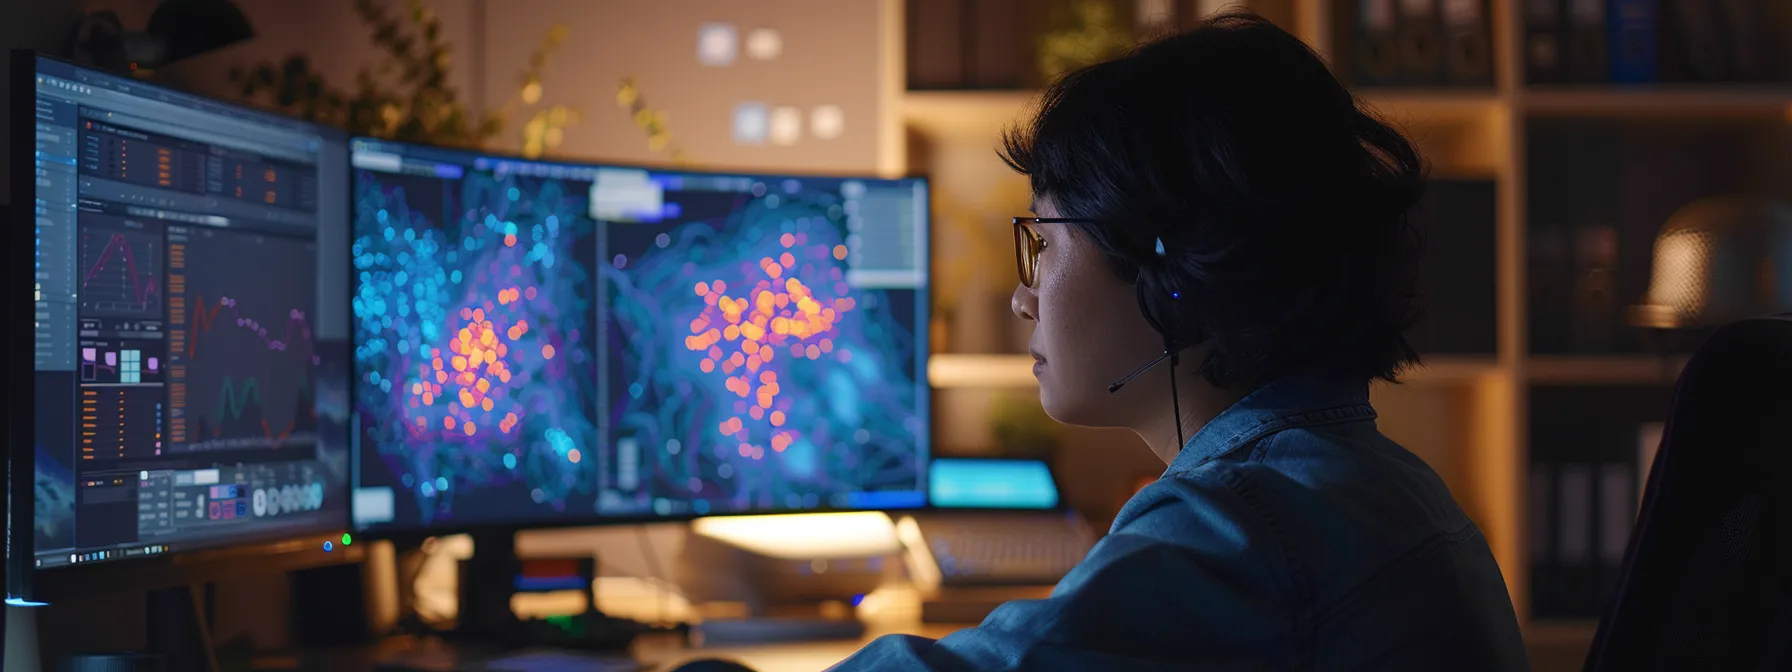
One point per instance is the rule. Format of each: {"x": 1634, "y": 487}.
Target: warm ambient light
{"x": 922, "y": 567}
{"x": 807, "y": 535}
{"x": 827, "y": 121}
{"x": 716, "y": 44}
{"x": 765, "y": 43}
{"x": 785, "y": 126}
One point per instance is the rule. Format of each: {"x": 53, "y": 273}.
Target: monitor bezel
{"x": 196, "y": 561}
{"x": 924, "y": 298}
{"x": 21, "y": 422}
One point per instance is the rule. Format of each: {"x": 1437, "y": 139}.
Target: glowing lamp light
{"x": 765, "y": 43}
{"x": 716, "y": 44}
{"x": 1716, "y": 260}
{"x": 786, "y": 125}
{"x": 809, "y": 535}
{"x": 826, "y": 122}
{"x": 751, "y": 123}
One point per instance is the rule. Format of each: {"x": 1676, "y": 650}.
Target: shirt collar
{"x": 1289, "y": 401}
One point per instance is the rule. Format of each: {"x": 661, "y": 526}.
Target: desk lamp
{"x": 1717, "y": 260}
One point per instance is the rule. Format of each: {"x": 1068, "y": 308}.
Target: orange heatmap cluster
{"x": 740, "y": 335}
{"x": 476, "y": 361}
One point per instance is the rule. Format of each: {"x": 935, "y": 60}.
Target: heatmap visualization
{"x": 765, "y": 342}
{"x": 474, "y": 311}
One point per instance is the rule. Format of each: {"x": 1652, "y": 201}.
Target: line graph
{"x": 298, "y": 330}
{"x": 242, "y": 360}
{"x": 122, "y": 264}
{"x": 239, "y": 414}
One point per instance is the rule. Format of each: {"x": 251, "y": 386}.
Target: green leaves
{"x": 406, "y": 96}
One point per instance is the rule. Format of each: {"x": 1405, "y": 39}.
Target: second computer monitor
{"x": 765, "y": 344}
{"x": 543, "y": 343}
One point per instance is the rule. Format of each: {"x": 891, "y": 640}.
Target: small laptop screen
{"x": 961, "y": 483}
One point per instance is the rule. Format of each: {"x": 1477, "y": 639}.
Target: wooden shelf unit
{"x": 955, "y": 371}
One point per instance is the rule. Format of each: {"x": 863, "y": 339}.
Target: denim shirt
{"x": 1288, "y": 534}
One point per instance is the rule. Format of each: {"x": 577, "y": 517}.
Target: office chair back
{"x": 1705, "y": 578}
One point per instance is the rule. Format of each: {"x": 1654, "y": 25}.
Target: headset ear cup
{"x": 1154, "y": 304}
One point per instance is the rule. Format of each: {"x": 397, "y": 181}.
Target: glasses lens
{"x": 1026, "y": 253}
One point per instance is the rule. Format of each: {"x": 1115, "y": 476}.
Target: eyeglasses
{"x": 1028, "y": 244}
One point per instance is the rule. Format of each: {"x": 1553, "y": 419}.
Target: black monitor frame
{"x": 18, "y": 364}
{"x": 488, "y": 530}
{"x": 215, "y": 559}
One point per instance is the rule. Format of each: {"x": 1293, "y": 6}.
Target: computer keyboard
{"x": 1005, "y": 550}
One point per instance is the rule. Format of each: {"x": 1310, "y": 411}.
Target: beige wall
{"x": 831, "y": 55}
{"x": 844, "y": 53}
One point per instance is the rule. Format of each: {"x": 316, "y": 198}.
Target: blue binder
{"x": 1634, "y": 48}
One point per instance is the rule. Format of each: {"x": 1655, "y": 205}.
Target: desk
{"x": 657, "y": 652}
{"x": 666, "y": 653}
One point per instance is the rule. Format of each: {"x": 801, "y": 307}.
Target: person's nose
{"x": 1025, "y": 303}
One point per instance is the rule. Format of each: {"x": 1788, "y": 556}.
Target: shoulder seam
{"x": 1301, "y": 625}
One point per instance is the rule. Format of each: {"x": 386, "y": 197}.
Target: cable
{"x": 1176, "y": 401}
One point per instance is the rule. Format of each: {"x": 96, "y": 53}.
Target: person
{"x": 1221, "y": 261}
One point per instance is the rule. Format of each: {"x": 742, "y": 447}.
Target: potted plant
{"x": 406, "y": 97}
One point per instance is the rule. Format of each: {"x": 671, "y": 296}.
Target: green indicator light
{"x": 346, "y": 540}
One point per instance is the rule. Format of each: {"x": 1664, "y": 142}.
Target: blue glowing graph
{"x": 749, "y": 372}
{"x": 473, "y": 311}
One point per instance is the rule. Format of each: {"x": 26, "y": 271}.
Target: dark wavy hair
{"x": 1281, "y": 203}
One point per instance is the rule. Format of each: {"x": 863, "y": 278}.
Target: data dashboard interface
{"x": 540, "y": 342}
{"x": 191, "y": 346}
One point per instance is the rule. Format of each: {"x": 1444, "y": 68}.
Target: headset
{"x": 1153, "y": 284}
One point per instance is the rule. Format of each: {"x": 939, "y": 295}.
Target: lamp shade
{"x": 1717, "y": 260}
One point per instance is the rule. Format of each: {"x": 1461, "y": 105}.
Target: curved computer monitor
{"x": 189, "y": 352}
{"x": 543, "y": 343}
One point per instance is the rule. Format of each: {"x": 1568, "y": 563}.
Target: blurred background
{"x": 1564, "y": 135}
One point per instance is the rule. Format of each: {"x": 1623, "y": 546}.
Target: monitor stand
{"x": 487, "y": 584}
{"x": 180, "y": 628}
{"x": 178, "y": 636}
{"x": 488, "y": 635}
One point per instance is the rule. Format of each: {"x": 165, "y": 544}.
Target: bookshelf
{"x": 1484, "y": 132}
{"x": 955, "y": 370}
{"x": 1686, "y": 101}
